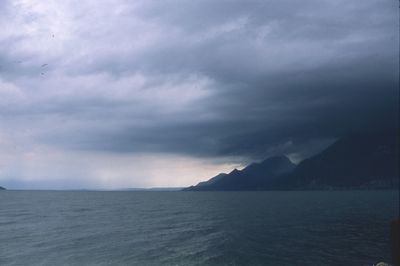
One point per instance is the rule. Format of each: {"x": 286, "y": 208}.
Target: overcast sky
{"x": 115, "y": 93}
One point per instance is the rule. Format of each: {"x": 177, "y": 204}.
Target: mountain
{"x": 366, "y": 160}
{"x": 370, "y": 159}
{"x": 256, "y": 176}
{"x": 212, "y": 180}
{"x": 2, "y": 188}
{"x": 152, "y": 189}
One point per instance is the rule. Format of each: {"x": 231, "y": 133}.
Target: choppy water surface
{"x": 195, "y": 228}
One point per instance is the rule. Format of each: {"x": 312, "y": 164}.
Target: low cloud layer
{"x": 217, "y": 83}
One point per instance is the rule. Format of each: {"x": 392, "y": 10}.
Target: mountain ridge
{"x": 253, "y": 177}
{"x": 362, "y": 160}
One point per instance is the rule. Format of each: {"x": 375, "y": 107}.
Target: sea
{"x": 196, "y": 228}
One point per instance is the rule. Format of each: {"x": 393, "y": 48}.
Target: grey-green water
{"x": 196, "y": 228}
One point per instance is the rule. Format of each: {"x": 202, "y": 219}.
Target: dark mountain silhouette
{"x": 256, "y": 176}
{"x": 212, "y": 180}
{"x": 367, "y": 160}
{"x": 2, "y": 188}
{"x": 362, "y": 160}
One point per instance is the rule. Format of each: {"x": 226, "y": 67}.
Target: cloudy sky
{"x": 121, "y": 93}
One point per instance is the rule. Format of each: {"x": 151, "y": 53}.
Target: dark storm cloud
{"x": 203, "y": 78}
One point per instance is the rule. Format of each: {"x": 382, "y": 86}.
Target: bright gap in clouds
{"x": 119, "y": 93}
{"x": 53, "y": 169}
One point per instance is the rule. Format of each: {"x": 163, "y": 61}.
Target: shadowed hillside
{"x": 368, "y": 160}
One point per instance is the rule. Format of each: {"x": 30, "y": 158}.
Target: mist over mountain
{"x": 256, "y": 176}
{"x": 370, "y": 159}
{"x": 362, "y": 160}
{"x": 139, "y": 94}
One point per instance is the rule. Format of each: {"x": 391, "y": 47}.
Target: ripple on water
{"x": 195, "y": 228}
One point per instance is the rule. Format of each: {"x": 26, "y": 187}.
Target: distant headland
{"x": 369, "y": 160}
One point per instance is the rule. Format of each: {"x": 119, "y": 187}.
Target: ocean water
{"x": 196, "y": 228}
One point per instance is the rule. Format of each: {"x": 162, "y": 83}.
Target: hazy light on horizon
{"x": 126, "y": 93}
